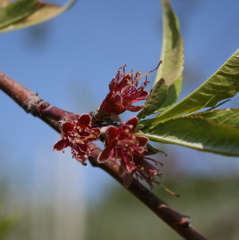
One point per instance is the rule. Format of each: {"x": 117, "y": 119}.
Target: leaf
{"x": 198, "y": 133}
{"x": 46, "y": 12}
{"x": 223, "y": 84}
{"x": 4, "y": 3}
{"x": 17, "y": 11}
{"x": 173, "y": 94}
{"x": 172, "y": 49}
{"x": 172, "y": 67}
{"x": 155, "y": 99}
{"x": 229, "y": 116}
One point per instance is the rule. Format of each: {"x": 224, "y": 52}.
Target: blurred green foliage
{"x": 211, "y": 204}
{"x": 7, "y": 221}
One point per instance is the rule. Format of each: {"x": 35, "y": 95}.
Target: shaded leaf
{"x": 44, "y": 13}
{"x": 172, "y": 49}
{"x": 223, "y": 84}
{"x": 155, "y": 99}
{"x": 173, "y": 94}
{"x": 198, "y": 133}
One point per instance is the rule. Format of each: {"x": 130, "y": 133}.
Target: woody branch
{"x": 32, "y": 103}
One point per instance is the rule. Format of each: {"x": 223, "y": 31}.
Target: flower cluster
{"x": 76, "y": 134}
{"x": 127, "y": 149}
{"x": 122, "y": 146}
{"x": 124, "y": 91}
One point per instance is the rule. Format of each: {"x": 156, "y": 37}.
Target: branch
{"x": 31, "y": 103}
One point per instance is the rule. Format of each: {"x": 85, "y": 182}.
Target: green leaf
{"x": 44, "y": 13}
{"x": 223, "y": 84}
{"x": 173, "y": 94}
{"x": 172, "y": 49}
{"x": 17, "y": 11}
{"x": 198, "y": 133}
{"x": 229, "y": 116}
{"x": 155, "y": 99}
{"x": 171, "y": 68}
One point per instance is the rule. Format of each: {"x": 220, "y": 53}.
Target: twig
{"x": 30, "y": 101}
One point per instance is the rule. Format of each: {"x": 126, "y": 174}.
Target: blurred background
{"x": 70, "y": 61}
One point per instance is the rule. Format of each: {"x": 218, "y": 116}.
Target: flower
{"x": 76, "y": 134}
{"x": 124, "y": 91}
{"x": 127, "y": 149}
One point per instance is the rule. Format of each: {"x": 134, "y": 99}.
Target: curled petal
{"x": 132, "y": 122}
{"x": 105, "y": 155}
{"x": 60, "y": 145}
{"x": 142, "y": 141}
{"x": 135, "y": 108}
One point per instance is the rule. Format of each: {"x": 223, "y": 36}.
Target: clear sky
{"x": 70, "y": 61}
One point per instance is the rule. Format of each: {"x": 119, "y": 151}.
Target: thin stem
{"x": 31, "y": 103}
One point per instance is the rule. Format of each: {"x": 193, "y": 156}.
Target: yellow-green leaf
{"x": 228, "y": 116}
{"x": 223, "y": 84}
{"x": 44, "y": 13}
{"x": 4, "y": 3}
{"x": 198, "y": 133}
{"x": 16, "y": 11}
{"x": 172, "y": 50}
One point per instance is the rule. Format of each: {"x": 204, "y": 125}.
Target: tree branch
{"x": 31, "y": 103}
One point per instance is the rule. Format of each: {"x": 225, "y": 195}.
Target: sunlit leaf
{"x": 171, "y": 68}
{"x": 16, "y": 11}
{"x": 228, "y": 116}
{"x": 44, "y": 13}
{"x": 198, "y": 133}
{"x": 223, "y": 84}
{"x": 172, "y": 50}
{"x": 4, "y": 3}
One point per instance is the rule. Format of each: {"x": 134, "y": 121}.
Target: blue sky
{"x": 71, "y": 64}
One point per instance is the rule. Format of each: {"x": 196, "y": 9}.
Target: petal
{"x": 67, "y": 127}
{"x": 111, "y": 133}
{"x": 142, "y": 140}
{"x": 133, "y": 122}
{"x": 142, "y": 96}
{"x": 132, "y": 108}
{"x": 84, "y": 120}
{"x": 105, "y": 155}
{"x": 60, "y": 145}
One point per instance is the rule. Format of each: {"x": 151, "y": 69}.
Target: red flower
{"x": 76, "y": 134}
{"x": 125, "y": 148}
{"x": 124, "y": 91}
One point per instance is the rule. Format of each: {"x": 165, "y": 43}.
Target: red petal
{"x": 84, "y": 120}
{"x": 142, "y": 140}
{"x": 133, "y": 122}
{"x": 111, "y": 133}
{"x": 132, "y": 108}
{"x": 105, "y": 155}
{"x": 66, "y": 127}
{"x": 60, "y": 145}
